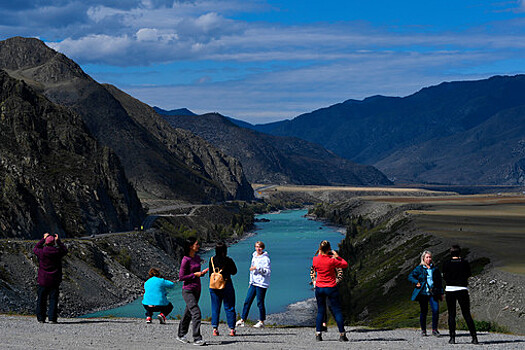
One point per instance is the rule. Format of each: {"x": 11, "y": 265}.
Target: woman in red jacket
{"x": 325, "y": 264}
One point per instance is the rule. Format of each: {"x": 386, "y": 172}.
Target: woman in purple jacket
{"x": 49, "y": 251}
{"x": 190, "y": 274}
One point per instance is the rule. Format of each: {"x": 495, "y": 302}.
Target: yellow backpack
{"x": 216, "y": 278}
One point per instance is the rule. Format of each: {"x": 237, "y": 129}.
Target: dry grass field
{"x": 315, "y": 188}
{"x": 493, "y": 223}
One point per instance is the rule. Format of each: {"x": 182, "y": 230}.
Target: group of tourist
{"x": 326, "y": 273}
{"x": 221, "y": 268}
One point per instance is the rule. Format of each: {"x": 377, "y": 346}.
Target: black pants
{"x": 164, "y": 309}
{"x": 464, "y": 303}
{"x": 45, "y": 293}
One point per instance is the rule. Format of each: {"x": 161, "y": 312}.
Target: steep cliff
{"x": 53, "y": 175}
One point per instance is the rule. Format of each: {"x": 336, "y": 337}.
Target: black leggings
{"x": 464, "y": 303}
{"x": 164, "y": 309}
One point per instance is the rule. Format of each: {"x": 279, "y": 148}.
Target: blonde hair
{"x": 423, "y": 256}
{"x": 260, "y": 243}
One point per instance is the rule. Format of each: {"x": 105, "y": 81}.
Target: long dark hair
{"x": 221, "y": 250}
{"x": 187, "y": 245}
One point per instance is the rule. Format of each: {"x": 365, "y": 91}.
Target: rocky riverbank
{"x": 98, "y": 272}
{"x": 109, "y": 270}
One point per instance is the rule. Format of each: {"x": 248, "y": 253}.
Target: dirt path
{"x": 19, "y": 332}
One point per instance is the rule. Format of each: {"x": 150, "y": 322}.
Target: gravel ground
{"x": 21, "y": 332}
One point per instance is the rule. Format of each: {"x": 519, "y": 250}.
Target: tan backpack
{"x": 216, "y": 278}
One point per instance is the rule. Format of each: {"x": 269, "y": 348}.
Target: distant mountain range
{"x": 467, "y": 132}
{"x": 275, "y": 159}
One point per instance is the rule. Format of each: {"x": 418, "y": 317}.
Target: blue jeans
{"x": 45, "y": 293}
{"x": 332, "y": 293}
{"x": 217, "y": 297}
{"x": 424, "y": 300}
{"x": 261, "y": 293}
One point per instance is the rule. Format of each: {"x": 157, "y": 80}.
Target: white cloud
{"x": 298, "y": 67}
{"x": 284, "y": 94}
{"x": 152, "y": 34}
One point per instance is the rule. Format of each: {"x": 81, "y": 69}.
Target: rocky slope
{"x": 194, "y": 152}
{"x": 274, "y": 159}
{"x": 441, "y": 134}
{"x": 154, "y": 169}
{"x": 98, "y": 273}
{"x": 53, "y": 175}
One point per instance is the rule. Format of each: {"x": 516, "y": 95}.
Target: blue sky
{"x": 262, "y": 61}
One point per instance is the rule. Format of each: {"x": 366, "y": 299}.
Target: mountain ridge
{"x": 275, "y": 159}
{"x": 153, "y": 169}
{"x": 383, "y": 131}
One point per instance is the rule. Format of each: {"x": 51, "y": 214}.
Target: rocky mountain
{"x": 54, "y": 176}
{"x": 152, "y": 164}
{"x": 441, "y": 134}
{"x": 193, "y": 151}
{"x": 275, "y": 159}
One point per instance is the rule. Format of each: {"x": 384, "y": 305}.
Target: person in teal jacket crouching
{"x": 155, "y": 300}
{"x": 429, "y": 289}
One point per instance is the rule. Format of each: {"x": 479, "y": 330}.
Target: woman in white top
{"x": 260, "y": 272}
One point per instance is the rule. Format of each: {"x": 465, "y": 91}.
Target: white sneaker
{"x": 199, "y": 342}
{"x": 259, "y": 324}
{"x": 183, "y": 339}
{"x": 239, "y": 323}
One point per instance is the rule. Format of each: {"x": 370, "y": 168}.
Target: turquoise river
{"x": 291, "y": 241}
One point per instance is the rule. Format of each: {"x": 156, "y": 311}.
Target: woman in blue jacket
{"x": 428, "y": 290}
{"x": 155, "y": 299}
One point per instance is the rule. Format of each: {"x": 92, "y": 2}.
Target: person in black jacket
{"x": 223, "y": 263}
{"x": 456, "y": 272}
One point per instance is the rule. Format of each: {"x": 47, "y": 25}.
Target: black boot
{"x": 452, "y": 340}
{"x": 475, "y": 340}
